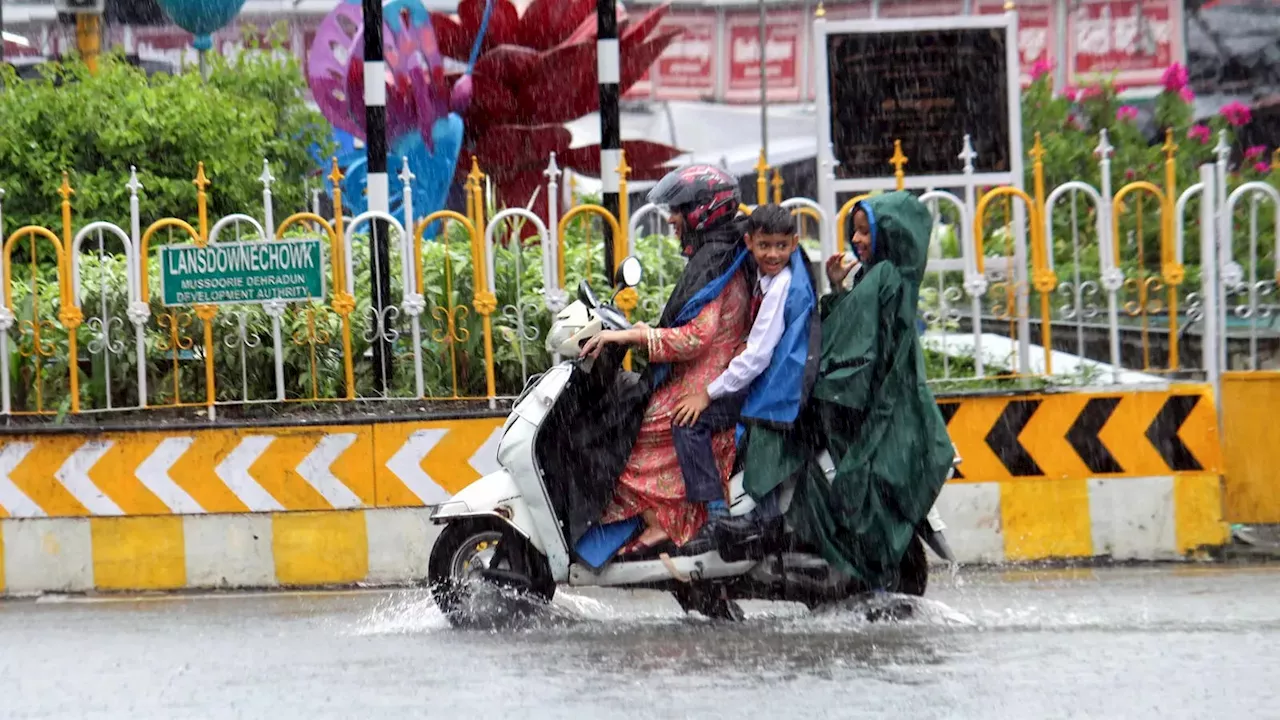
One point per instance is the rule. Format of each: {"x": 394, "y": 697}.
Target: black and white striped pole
{"x": 376, "y": 185}
{"x": 608, "y": 75}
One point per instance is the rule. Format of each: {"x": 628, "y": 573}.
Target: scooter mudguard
{"x": 494, "y": 495}
{"x": 600, "y": 543}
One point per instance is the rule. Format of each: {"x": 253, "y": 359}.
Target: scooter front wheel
{"x": 469, "y": 553}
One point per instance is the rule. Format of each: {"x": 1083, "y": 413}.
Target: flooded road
{"x": 1187, "y": 642}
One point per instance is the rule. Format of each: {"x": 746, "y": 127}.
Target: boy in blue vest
{"x": 769, "y": 378}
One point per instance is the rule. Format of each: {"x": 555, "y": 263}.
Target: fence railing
{"x": 1146, "y": 282}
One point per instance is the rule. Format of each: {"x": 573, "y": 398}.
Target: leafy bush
{"x": 96, "y": 126}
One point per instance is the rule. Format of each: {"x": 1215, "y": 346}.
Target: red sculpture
{"x": 536, "y": 72}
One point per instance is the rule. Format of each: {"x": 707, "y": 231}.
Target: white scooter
{"x": 509, "y": 528}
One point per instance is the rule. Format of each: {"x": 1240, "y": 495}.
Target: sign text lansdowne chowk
{"x": 242, "y": 272}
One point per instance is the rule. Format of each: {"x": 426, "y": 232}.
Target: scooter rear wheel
{"x": 468, "y": 551}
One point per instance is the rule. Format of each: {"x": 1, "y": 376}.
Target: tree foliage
{"x": 96, "y": 126}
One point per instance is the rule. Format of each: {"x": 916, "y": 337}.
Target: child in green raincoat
{"x": 870, "y": 407}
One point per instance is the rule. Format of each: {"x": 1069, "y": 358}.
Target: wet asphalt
{"x": 1162, "y": 642}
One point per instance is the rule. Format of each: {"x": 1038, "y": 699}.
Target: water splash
{"x": 403, "y": 613}
{"x": 889, "y": 608}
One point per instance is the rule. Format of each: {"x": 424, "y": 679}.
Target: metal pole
{"x": 1060, "y": 33}
{"x": 609, "y": 78}
{"x": 375, "y": 123}
{"x": 1209, "y": 227}
{"x": 764, "y": 91}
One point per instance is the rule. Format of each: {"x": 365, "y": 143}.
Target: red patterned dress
{"x": 698, "y": 351}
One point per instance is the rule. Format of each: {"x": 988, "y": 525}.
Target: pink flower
{"x": 1040, "y": 68}
{"x": 1130, "y": 174}
{"x": 1127, "y": 113}
{"x": 1262, "y": 168}
{"x": 1071, "y": 93}
{"x": 1175, "y": 79}
{"x": 1201, "y": 133}
{"x": 1237, "y": 113}
{"x": 1255, "y": 151}
{"x": 1187, "y": 95}
{"x": 1088, "y": 92}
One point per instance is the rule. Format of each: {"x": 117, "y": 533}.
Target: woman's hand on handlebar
{"x": 638, "y": 334}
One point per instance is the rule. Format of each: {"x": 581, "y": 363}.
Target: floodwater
{"x": 1166, "y": 642}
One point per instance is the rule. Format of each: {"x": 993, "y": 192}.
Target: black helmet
{"x": 704, "y": 194}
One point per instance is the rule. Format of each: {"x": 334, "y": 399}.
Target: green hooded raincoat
{"x": 871, "y": 408}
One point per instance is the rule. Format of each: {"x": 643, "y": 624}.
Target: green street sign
{"x": 241, "y": 272}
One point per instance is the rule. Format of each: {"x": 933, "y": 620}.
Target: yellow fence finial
{"x": 1169, "y": 147}
{"x": 622, "y": 242}
{"x": 70, "y": 315}
{"x": 335, "y": 175}
{"x": 624, "y": 170}
{"x": 762, "y": 179}
{"x": 65, "y": 191}
{"x": 777, "y": 186}
{"x": 1037, "y": 150}
{"x": 202, "y": 202}
{"x": 201, "y": 182}
{"x": 474, "y": 183}
{"x": 820, "y": 12}
{"x": 1037, "y": 160}
{"x": 1275, "y": 160}
{"x": 899, "y": 161}
{"x": 1008, "y": 6}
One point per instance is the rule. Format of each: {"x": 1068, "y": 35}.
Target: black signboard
{"x": 927, "y": 88}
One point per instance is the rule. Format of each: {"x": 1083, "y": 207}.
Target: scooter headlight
{"x": 560, "y": 335}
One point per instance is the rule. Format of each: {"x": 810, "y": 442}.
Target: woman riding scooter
{"x": 700, "y": 331}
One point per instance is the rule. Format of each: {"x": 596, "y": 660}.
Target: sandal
{"x": 636, "y": 550}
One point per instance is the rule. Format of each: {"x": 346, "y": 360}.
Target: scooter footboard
{"x": 494, "y": 495}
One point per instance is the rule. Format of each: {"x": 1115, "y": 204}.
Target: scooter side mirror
{"x": 630, "y": 273}
{"x": 586, "y": 295}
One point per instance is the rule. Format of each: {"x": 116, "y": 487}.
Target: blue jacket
{"x": 775, "y": 398}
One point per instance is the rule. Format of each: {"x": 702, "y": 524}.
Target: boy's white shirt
{"x": 766, "y": 333}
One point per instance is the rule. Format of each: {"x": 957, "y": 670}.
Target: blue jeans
{"x": 702, "y": 480}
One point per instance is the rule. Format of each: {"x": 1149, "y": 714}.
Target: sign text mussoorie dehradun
{"x": 241, "y": 272}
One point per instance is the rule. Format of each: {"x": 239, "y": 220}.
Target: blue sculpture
{"x": 424, "y": 117}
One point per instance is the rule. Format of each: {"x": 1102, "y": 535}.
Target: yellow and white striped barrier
{"x": 261, "y": 550}
{"x": 240, "y": 470}
{"x": 1122, "y": 474}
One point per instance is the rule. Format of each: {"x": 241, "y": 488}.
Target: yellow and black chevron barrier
{"x": 1085, "y": 434}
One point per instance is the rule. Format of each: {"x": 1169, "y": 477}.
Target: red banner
{"x": 848, "y": 11}
{"x": 686, "y": 69}
{"x": 1135, "y": 39}
{"x": 1037, "y": 42}
{"x": 642, "y": 89}
{"x": 782, "y": 56}
{"x": 920, "y": 8}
